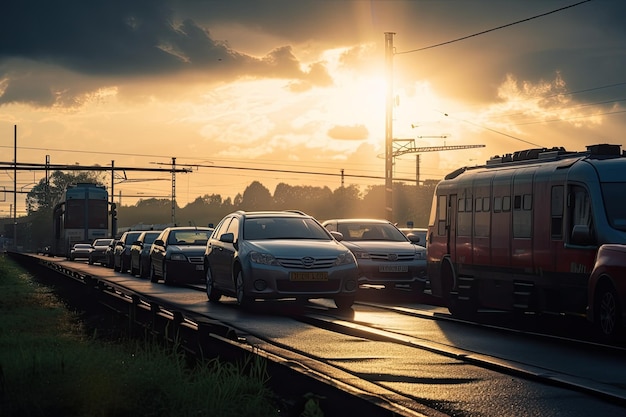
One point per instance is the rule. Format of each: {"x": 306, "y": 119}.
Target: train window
{"x": 486, "y": 203}
{"x": 506, "y": 203}
{"x": 478, "y": 204}
{"x": 527, "y": 203}
{"x": 442, "y": 215}
{"x": 461, "y": 207}
{"x": 517, "y": 202}
{"x": 443, "y": 207}
{"x": 497, "y": 204}
{"x": 556, "y": 212}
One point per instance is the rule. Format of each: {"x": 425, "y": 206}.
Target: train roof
{"x": 539, "y": 155}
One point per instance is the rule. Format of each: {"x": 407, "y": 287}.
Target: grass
{"x": 50, "y": 367}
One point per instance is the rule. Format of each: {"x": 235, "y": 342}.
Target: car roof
{"x": 202, "y": 228}
{"x": 272, "y": 213}
{"x": 358, "y": 220}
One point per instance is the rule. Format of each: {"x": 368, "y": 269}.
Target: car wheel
{"x": 608, "y": 312}
{"x": 153, "y": 275}
{"x": 166, "y": 279}
{"x": 90, "y": 260}
{"x": 243, "y": 299}
{"x": 211, "y": 293}
{"x": 344, "y": 302}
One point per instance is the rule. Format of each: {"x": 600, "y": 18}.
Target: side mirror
{"x": 337, "y": 235}
{"x": 581, "y": 235}
{"x": 413, "y": 237}
{"x": 227, "y": 238}
{"x": 158, "y": 242}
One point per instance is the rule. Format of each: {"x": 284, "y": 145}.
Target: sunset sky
{"x": 285, "y": 85}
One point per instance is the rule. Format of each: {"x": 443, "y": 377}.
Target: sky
{"x": 283, "y": 91}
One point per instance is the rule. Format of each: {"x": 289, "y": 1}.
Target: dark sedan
{"x": 98, "y": 251}
{"x": 121, "y": 251}
{"x": 177, "y": 255}
{"x": 140, "y": 253}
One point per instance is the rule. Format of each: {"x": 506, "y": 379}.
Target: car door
{"x": 220, "y": 254}
{"x": 157, "y": 253}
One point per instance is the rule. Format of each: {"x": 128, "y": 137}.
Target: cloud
{"x": 356, "y": 132}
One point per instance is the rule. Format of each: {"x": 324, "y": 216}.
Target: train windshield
{"x": 614, "y": 203}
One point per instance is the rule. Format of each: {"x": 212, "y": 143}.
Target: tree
{"x": 256, "y": 197}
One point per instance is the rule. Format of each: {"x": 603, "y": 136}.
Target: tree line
{"x": 411, "y": 204}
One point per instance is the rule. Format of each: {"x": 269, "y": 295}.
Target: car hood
{"x": 297, "y": 247}
{"x": 383, "y": 246}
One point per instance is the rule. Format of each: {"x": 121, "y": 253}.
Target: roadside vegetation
{"x": 49, "y": 366}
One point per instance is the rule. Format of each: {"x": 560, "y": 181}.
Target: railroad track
{"x": 382, "y": 357}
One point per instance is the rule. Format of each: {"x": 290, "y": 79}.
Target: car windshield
{"x": 189, "y": 237}
{"x": 614, "y": 204}
{"x": 370, "y": 231}
{"x": 102, "y": 242}
{"x": 150, "y": 237}
{"x": 283, "y": 228}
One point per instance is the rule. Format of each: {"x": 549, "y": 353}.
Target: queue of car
{"x": 271, "y": 255}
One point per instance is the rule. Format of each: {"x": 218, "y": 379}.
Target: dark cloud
{"x": 54, "y": 53}
{"x": 109, "y": 42}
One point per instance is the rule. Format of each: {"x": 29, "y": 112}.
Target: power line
{"x": 491, "y": 30}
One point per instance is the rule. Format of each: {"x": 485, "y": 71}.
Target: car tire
{"x": 142, "y": 270}
{"x": 153, "y": 275}
{"x": 243, "y": 299}
{"x": 344, "y": 302}
{"x": 90, "y": 260}
{"x": 211, "y": 293}
{"x": 167, "y": 280}
{"x": 608, "y": 313}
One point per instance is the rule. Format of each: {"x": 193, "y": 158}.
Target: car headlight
{"x": 361, "y": 255}
{"x": 178, "y": 257}
{"x": 263, "y": 258}
{"x": 345, "y": 258}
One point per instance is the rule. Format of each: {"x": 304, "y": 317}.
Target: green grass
{"x": 50, "y": 367}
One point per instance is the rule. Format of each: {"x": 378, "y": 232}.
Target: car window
{"x": 189, "y": 237}
{"x": 369, "y": 231}
{"x": 283, "y": 228}
{"x": 150, "y": 237}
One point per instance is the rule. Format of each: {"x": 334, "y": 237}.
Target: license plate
{"x": 393, "y": 268}
{"x": 308, "y": 276}
{"x": 199, "y": 267}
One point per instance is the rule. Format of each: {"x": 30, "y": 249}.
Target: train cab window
{"x": 556, "y": 212}
{"x": 581, "y": 219}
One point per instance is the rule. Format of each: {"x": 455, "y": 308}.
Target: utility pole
{"x": 389, "y": 127}
{"x": 15, "y": 186}
{"x": 174, "y": 191}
